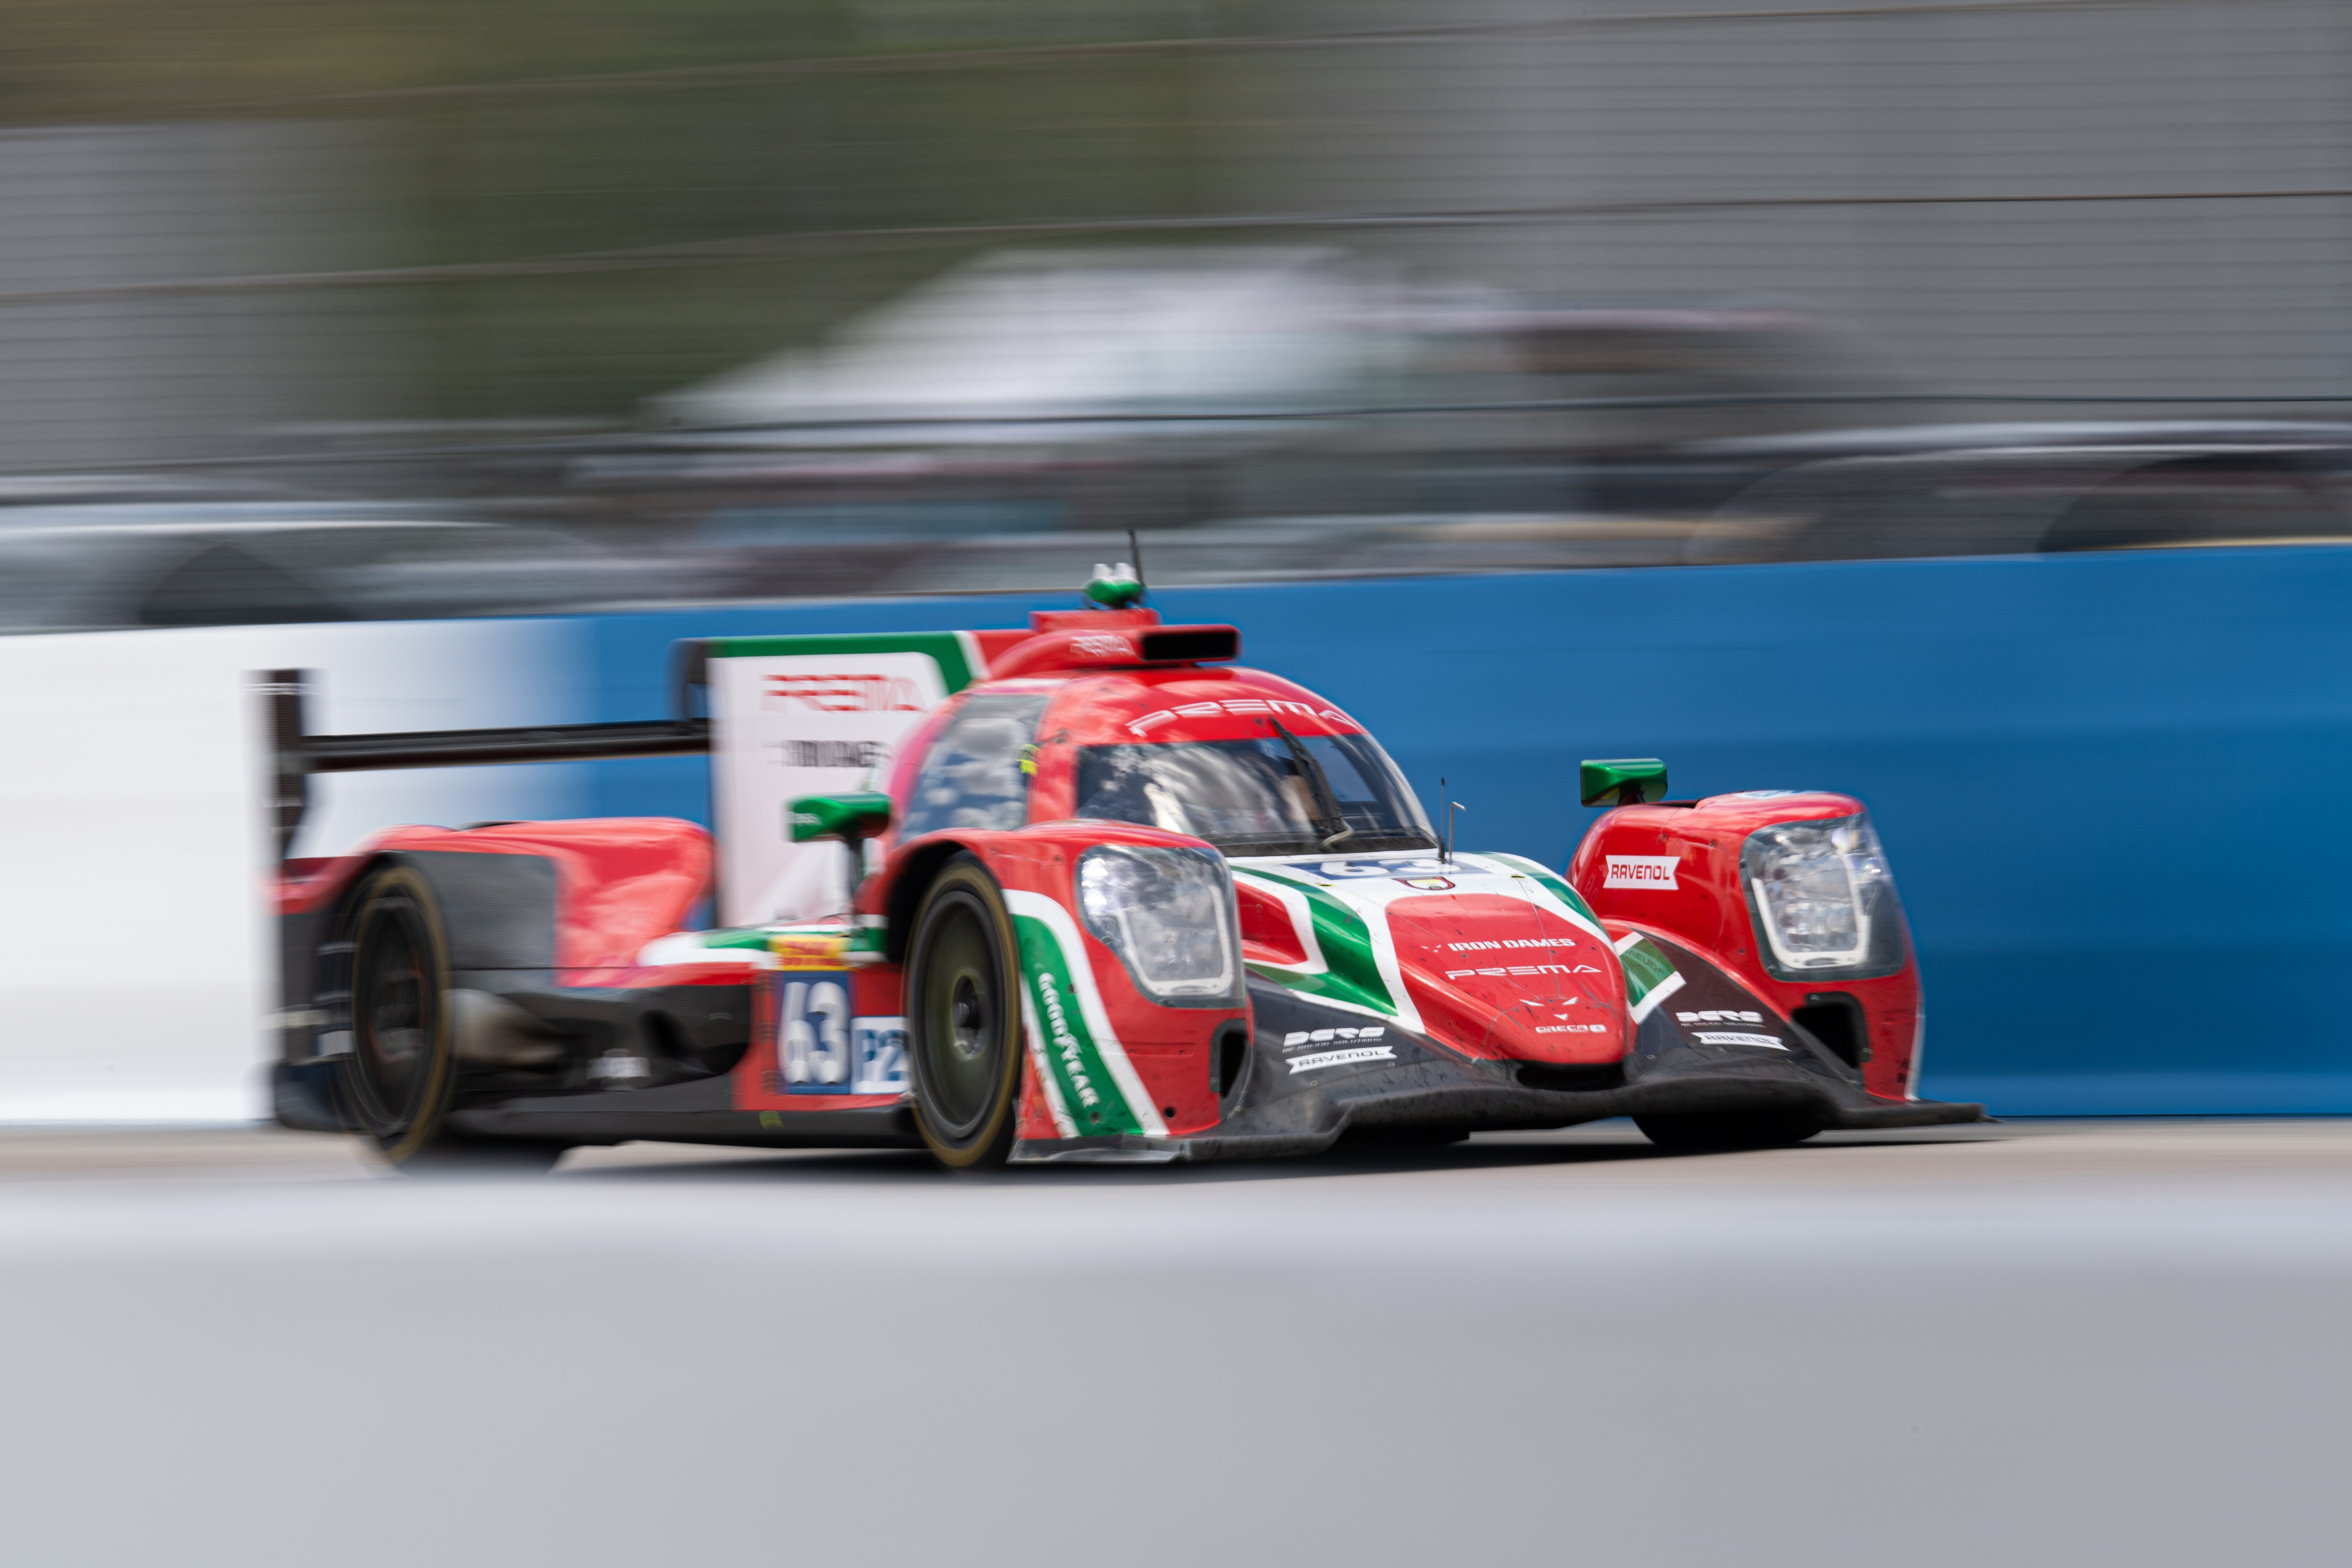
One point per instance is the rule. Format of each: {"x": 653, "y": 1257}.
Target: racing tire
{"x": 1721, "y": 1132}
{"x": 963, "y": 1019}
{"x": 398, "y": 1080}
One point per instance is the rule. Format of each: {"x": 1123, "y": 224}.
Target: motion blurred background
{"x": 1411, "y": 336}
{"x": 363, "y": 309}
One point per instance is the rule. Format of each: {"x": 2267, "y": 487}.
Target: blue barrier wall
{"x": 2106, "y": 782}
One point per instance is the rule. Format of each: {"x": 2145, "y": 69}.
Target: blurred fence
{"x": 2002, "y": 199}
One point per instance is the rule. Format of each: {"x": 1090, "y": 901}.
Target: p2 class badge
{"x": 878, "y": 1056}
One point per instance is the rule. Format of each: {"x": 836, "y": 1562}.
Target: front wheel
{"x": 963, "y": 1015}
{"x": 1719, "y": 1132}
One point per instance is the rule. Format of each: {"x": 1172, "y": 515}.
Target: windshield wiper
{"x": 1326, "y": 803}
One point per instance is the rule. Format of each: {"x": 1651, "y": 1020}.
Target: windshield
{"x": 1273, "y": 794}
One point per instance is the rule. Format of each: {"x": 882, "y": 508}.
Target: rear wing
{"x": 295, "y": 753}
{"x": 779, "y": 717}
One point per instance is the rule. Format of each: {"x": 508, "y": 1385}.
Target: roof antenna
{"x": 1135, "y": 559}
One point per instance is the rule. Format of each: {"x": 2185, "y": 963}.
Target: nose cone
{"x": 1491, "y": 954}
{"x": 1501, "y": 977}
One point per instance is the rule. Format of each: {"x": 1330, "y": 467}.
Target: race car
{"x": 1083, "y": 890}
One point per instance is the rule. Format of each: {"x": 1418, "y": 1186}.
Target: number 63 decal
{"x": 816, "y": 1032}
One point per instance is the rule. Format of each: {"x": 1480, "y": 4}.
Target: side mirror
{"x": 1622, "y": 781}
{"x": 848, "y": 817}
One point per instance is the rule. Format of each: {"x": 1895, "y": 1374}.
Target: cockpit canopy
{"x": 1273, "y": 793}
{"x": 1245, "y": 759}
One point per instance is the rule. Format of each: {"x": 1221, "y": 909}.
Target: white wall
{"x": 133, "y": 937}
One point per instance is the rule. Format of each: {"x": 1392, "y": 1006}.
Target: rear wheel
{"x": 963, "y": 1017}
{"x": 397, "y": 1078}
{"x": 1700, "y": 1134}
{"x": 401, "y": 1069}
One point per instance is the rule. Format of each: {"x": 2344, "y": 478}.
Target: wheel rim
{"x": 961, "y": 1046}
{"x": 394, "y": 1013}
{"x": 390, "y": 1014}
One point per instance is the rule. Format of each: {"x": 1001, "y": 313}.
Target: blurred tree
{"x": 599, "y": 199}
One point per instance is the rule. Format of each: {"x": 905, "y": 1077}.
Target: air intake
{"x": 1191, "y": 645}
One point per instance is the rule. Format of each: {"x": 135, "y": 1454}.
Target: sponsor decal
{"x": 849, "y": 754}
{"x": 1309, "y": 1063}
{"x": 1573, "y": 1029}
{"x": 1427, "y": 884}
{"x": 1732, "y": 1036}
{"x": 1064, "y": 1044}
{"x": 1642, "y": 870}
{"x": 845, "y": 692}
{"x": 1299, "y": 1036}
{"x": 617, "y": 1066}
{"x": 1724, "y": 1015}
{"x": 1090, "y": 1086}
{"x": 1102, "y": 646}
{"x": 800, "y": 951}
{"x": 1510, "y": 942}
{"x": 1237, "y": 708}
{"x": 1527, "y": 970}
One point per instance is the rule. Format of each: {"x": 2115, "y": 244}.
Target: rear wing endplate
{"x": 295, "y": 753}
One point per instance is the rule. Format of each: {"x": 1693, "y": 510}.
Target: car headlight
{"x": 1169, "y": 915}
{"x": 1823, "y": 903}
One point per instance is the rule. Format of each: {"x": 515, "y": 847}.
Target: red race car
{"x": 1086, "y": 891}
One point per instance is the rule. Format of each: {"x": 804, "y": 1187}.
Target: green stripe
{"x": 1557, "y": 885}
{"x": 755, "y": 938}
{"x": 1088, "y": 1091}
{"x": 1646, "y": 968}
{"x": 1351, "y": 972}
{"x": 945, "y": 648}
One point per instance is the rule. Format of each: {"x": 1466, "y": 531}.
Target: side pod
{"x": 1786, "y": 891}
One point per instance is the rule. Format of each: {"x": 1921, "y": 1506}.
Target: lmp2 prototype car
{"x": 1116, "y": 899}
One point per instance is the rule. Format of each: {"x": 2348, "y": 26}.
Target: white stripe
{"x": 1054, "y": 1107}
{"x": 1057, "y": 920}
{"x": 971, "y": 659}
{"x": 1918, "y": 1050}
{"x": 1649, "y": 1004}
{"x": 1624, "y": 946}
{"x": 1302, "y": 926}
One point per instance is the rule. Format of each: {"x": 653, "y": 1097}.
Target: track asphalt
{"x": 2042, "y": 1342}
